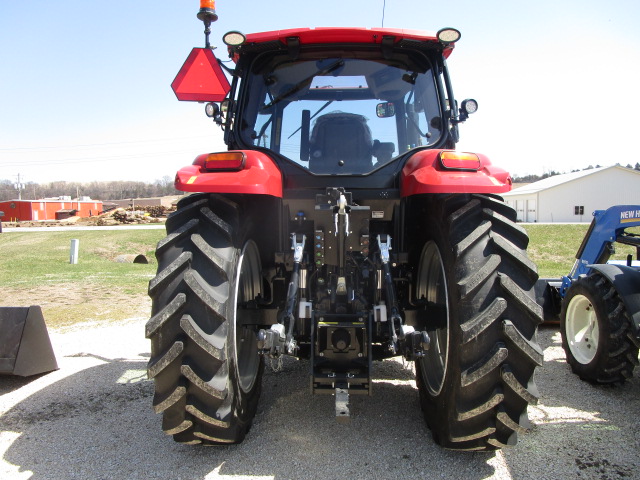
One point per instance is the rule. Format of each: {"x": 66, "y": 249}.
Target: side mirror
{"x": 385, "y": 110}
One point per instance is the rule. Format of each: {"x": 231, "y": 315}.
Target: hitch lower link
{"x": 279, "y": 339}
{"x": 404, "y": 339}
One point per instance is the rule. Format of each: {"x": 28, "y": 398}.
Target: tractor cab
{"x": 339, "y": 115}
{"x": 332, "y": 101}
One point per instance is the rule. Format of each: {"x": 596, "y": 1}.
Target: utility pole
{"x": 19, "y": 186}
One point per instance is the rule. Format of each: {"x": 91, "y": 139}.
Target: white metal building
{"x": 572, "y": 197}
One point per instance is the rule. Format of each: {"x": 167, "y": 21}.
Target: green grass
{"x": 553, "y": 247}
{"x": 33, "y": 259}
{"x": 35, "y": 270}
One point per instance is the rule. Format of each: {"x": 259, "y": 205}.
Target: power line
{"x": 84, "y": 145}
{"x": 100, "y": 159}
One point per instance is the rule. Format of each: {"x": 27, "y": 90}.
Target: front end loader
{"x": 600, "y": 300}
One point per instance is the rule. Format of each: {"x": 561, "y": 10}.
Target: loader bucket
{"x": 548, "y": 297}
{"x": 25, "y": 347}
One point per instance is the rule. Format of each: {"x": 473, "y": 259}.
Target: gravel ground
{"x": 92, "y": 419}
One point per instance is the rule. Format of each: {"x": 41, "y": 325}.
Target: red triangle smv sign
{"x": 201, "y": 79}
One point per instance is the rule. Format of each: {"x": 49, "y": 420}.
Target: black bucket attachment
{"x": 548, "y": 297}
{"x": 25, "y": 347}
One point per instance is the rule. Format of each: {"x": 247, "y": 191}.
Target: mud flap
{"x": 25, "y": 347}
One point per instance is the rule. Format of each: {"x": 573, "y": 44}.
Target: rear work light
{"x": 234, "y": 38}
{"x": 447, "y": 36}
{"x": 224, "y": 161}
{"x": 459, "y": 160}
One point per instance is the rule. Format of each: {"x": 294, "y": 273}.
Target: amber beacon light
{"x": 207, "y": 10}
{"x": 207, "y": 14}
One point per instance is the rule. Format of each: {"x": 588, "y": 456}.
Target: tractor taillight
{"x": 224, "y": 161}
{"x": 459, "y": 160}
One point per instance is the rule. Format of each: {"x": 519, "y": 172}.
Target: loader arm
{"x": 607, "y": 227}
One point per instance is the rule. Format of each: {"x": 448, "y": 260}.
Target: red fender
{"x": 259, "y": 176}
{"x": 424, "y": 173}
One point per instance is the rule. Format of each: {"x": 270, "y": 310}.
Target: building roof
{"x": 556, "y": 180}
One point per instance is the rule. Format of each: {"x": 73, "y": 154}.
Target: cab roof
{"x": 329, "y": 35}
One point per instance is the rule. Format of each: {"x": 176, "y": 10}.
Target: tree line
{"x": 119, "y": 190}
{"x": 113, "y": 190}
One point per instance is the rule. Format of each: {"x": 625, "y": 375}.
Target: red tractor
{"x": 341, "y": 227}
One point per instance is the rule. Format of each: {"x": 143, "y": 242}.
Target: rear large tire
{"x": 597, "y": 332}
{"x": 476, "y": 380}
{"x": 204, "y": 362}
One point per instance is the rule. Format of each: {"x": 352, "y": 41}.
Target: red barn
{"x": 48, "y": 209}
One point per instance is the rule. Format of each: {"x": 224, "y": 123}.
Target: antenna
{"x": 384, "y": 5}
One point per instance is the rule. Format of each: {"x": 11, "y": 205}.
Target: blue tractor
{"x": 600, "y": 300}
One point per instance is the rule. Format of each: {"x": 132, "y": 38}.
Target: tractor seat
{"x": 340, "y": 143}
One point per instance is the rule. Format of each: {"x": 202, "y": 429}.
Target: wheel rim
{"x": 248, "y": 287}
{"x": 581, "y": 326}
{"x": 432, "y": 286}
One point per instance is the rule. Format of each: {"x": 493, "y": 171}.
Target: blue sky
{"x": 85, "y": 86}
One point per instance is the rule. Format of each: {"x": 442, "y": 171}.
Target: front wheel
{"x": 476, "y": 284}
{"x": 597, "y": 332}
